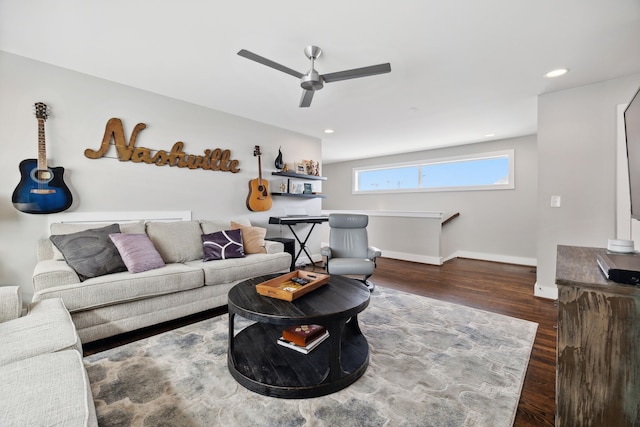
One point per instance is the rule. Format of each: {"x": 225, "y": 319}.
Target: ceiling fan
{"x": 312, "y": 81}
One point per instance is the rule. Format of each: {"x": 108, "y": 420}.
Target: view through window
{"x": 486, "y": 171}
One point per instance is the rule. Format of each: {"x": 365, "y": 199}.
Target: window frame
{"x": 509, "y": 154}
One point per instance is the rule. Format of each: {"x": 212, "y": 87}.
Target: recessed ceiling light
{"x": 328, "y": 131}
{"x": 556, "y": 73}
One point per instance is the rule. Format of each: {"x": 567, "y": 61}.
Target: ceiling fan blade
{"x": 307, "y": 96}
{"x": 269, "y": 63}
{"x": 357, "y": 72}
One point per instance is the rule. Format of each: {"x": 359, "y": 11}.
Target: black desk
{"x": 290, "y": 221}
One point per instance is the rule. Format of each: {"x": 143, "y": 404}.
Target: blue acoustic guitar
{"x": 41, "y": 189}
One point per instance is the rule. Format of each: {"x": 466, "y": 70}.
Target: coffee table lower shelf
{"x": 261, "y": 365}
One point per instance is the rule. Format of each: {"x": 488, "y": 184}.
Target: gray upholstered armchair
{"x": 349, "y": 252}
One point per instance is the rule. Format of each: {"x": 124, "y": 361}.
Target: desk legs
{"x": 303, "y": 243}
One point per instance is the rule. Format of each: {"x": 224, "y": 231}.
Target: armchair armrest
{"x": 325, "y": 251}
{"x": 10, "y": 303}
{"x": 373, "y": 252}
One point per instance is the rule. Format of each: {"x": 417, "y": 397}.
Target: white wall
{"x": 494, "y": 225}
{"x": 80, "y": 106}
{"x": 577, "y": 132}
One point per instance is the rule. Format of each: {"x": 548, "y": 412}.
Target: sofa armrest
{"x": 273, "y": 247}
{"x": 52, "y": 273}
{"x": 373, "y": 252}
{"x": 10, "y": 303}
{"x": 45, "y": 249}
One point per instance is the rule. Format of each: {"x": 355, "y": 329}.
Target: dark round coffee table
{"x": 258, "y": 363}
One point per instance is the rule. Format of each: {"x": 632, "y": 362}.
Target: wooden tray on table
{"x": 282, "y": 287}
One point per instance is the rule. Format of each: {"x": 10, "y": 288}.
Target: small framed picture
{"x": 307, "y": 188}
{"x": 301, "y": 168}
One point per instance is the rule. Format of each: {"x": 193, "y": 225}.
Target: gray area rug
{"x": 432, "y": 363}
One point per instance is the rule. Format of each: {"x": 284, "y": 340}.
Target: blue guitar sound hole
{"x": 41, "y": 176}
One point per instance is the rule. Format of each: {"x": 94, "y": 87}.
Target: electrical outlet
{"x": 556, "y": 201}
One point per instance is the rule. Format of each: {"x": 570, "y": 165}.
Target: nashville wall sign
{"x": 214, "y": 160}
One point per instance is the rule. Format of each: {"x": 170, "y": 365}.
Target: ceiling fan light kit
{"x": 312, "y": 80}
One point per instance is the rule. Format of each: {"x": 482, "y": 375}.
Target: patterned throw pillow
{"x": 137, "y": 252}
{"x": 222, "y": 245}
{"x": 252, "y": 238}
{"x": 90, "y": 253}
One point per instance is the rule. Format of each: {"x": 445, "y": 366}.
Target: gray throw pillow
{"x": 91, "y": 253}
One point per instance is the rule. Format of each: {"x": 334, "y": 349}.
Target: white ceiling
{"x": 460, "y": 68}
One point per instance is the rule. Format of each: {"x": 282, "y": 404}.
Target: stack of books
{"x": 303, "y": 338}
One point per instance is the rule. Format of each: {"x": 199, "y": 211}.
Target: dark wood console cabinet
{"x": 598, "y": 347}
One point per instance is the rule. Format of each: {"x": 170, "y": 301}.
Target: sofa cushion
{"x": 68, "y": 228}
{"x": 222, "y": 245}
{"x": 47, "y": 390}
{"x": 230, "y": 270}
{"x": 120, "y": 287}
{"x": 252, "y": 238}
{"x": 46, "y": 328}
{"x": 90, "y": 252}
{"x": 137, "y": 252}
{"x": 177, "y": 241}
{"x": 212, "y": 225}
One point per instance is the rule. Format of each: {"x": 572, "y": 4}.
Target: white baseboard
{"x": 507, "y": 259}
{"x": 424, "y": 259}
{"x": 549, "y": 292}
{"x": 304, "y": 260}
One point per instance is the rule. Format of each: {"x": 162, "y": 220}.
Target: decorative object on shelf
{"x": 278, "y": 162}
{"x": 213, "y": 160}
{"x": 307, "y": 188}
{"x": 301, "y": 168}
{"x": 317, "y": 169}
{"x": 310, "y": 167}
{"x": 41, "y": 189}
{"x": 259, "y": 199}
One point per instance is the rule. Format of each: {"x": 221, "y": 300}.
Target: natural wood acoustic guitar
{"x": 259, "y": 198}
{"x": 41, "y": 189}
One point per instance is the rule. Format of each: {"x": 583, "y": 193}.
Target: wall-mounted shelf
{"x": 302, "y": 195}
{"x": 300, "y": 176}
{"x": 292, "y": 175}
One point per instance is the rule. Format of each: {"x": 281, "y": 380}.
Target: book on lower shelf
{"x": 302, "y": 334}
{"x": 307, "y": 348}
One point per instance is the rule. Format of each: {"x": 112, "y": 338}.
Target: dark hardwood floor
{"x": 499, "y": 288}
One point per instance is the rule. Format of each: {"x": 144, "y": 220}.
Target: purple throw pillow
{"x": 137, "y": 252}
{"x": 222, "y": 245}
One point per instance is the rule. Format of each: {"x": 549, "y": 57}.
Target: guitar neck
{"x": 259, "y": 171}
{"x": 42, "y": 147}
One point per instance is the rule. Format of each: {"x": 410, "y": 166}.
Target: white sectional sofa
{"x": 44, "y": 382}
{"x": 110, "y": 304}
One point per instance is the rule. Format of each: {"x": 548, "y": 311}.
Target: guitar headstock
{"x": 41, "y": 110}
{"x": 256, "y": 151}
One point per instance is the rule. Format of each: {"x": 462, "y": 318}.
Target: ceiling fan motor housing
{"x": 311, "y": 81}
